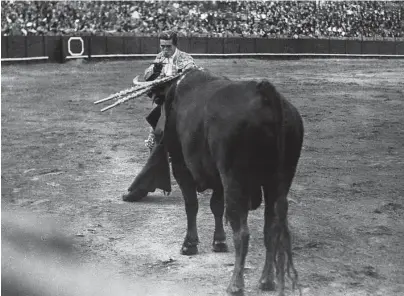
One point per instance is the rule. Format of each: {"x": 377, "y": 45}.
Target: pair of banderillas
{"x": 136, "y": 91}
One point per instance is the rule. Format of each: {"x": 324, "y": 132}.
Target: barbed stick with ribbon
{"x": 134, "y": 92}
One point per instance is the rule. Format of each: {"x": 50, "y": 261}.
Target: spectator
{"x": 218, "y": 18}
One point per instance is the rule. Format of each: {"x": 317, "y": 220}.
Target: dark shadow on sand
{"x": 162, "y": 199}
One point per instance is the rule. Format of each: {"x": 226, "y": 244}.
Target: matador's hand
{"x": 158, "y": 67}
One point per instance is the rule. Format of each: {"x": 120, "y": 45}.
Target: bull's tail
{"x": 282, "y": 240}
{"x": 282, "y": 247}
{"x": 272, "y": 98}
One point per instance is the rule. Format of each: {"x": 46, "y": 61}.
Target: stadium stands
{"x": 294, "y": 19}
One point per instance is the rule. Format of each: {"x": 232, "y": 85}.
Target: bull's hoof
{"x": 267, "y": 285}
{"x": 135, "y": 195}
{"x": 220, "y": 247}
{"x": 235, "y": 291}
{"x": 188, "y": 249}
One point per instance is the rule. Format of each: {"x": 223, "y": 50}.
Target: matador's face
{"x": 167, "y": 47}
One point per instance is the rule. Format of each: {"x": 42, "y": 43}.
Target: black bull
{"x": 242, "y": 139}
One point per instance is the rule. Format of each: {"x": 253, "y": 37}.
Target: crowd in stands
{"x": 194, "y": 18}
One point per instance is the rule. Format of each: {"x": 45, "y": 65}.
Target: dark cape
{"x": 156, "y": 172}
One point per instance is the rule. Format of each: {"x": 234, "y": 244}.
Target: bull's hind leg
{"x": 283, "y": 246}
{"x": 237, "y": 206}
{"x": 267, "y": 278}
{"x": 217, "y": 206}
{"x": 277, "y": 238}
{"x": 188, "y": 189}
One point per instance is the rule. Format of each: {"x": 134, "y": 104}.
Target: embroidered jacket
{"x": 179, "y": 61}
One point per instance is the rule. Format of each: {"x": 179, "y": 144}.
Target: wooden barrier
{"x": 337, "y": 46}
{"x": 400, "y": 48}
{"x": 98, "y": 45}
{"x": 288, "y": 45}
{"x": 17, "y": 47}
{"x": 306, "y": 45}
{"x": 215, "y": 45}
{"x": 149, "y": 45}
{"x": 132, "y": 46}
{"x": 321, "y": 46}
{"x": 34, "y": 45}
{"x": 353, "y": 46}
{"x": 370, "y": 47}
{"x": 232, "y": 45}
{"x": 387, "y": 47}
{"x": 60, "y": 48}
{"x": 198, "y": 45}
{"x": 115, "y": 44}
{"x": 4, "y": 47}
{"x": 268, "y": 45}
{"x": 183, "y": 43}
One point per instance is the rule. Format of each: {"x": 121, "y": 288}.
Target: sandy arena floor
{"x": 63, "y": 158}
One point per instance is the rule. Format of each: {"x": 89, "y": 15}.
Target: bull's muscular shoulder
{"x": 184, "y": 59}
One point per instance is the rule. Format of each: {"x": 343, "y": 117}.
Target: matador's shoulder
{"x": 184, "y": 59}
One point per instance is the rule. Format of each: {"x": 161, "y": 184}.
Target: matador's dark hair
{"x": 169, "y": 35}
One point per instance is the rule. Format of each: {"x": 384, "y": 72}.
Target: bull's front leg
{"x": 188, "y": 188}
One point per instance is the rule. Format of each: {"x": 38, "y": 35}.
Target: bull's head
{"x": 160, "y": 89}
{"x": 157, "y": 88}
{"x": 162, "y": 92}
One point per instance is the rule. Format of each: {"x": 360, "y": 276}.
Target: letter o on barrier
{"x": 69, "y": 46}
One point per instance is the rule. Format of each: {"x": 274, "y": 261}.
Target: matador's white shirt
{"x": 169, "y": 68}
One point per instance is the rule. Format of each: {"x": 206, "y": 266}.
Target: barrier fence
{"x": 62, "y": 48}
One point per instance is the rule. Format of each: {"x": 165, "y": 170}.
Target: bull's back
{"x": 243, "y": 134}
{"x": 235, "y": 126}
{"x": 192, "y": 128}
